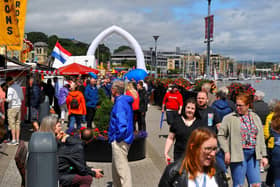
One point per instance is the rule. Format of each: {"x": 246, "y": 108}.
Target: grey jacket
{"x": 229, "y": 137}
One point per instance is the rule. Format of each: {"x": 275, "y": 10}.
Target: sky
{"x": 243, "y": 29}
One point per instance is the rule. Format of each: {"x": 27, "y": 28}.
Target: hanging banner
{"x": 211, "y": 26}
{"x": 20, "y": 6}
{"x": 9, "y": 32}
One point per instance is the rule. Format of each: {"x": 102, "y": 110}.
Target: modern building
{"x": 121, "y": 57}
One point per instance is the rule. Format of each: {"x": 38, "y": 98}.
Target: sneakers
{"x": 13, "y": 142}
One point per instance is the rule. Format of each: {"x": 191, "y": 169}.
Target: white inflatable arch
{"x": 127, "y": 36}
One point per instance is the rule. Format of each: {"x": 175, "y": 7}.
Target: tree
{"x": 37, "y": 37}
{"x": 129, "y": 63}
{"x": 51, "y": 41}
{"x": 76, "y": 48}
{"x": 102, "y": 53}
{"x": 122, "y": 48}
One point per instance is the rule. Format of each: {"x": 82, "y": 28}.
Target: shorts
{"x": 14, "y": 115}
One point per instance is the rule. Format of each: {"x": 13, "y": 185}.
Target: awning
{"x": 76, "y": 69}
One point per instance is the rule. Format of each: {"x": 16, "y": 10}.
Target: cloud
{"x": 243, "y": 29}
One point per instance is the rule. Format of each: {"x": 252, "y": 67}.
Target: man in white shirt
{"x": 14, "y": 98}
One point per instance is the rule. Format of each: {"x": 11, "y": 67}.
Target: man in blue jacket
{"x": 91, "y": 97}
{"x": 121, "y": 135}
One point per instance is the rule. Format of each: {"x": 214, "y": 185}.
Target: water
{"x": 271, "y": 88}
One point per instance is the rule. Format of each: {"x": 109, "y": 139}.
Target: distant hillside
{"x": 73, "y": 46}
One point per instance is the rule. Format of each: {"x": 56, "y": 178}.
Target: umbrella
{"x": 76, "y": 69}
{"x": 161, "y": 120}
{"x": 136, "y": 74}
{"x": 93, "y": 75}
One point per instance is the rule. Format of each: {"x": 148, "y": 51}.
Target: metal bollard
{"x": 42, "y": 160}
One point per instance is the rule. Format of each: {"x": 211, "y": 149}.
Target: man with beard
{"x": 209, "y": 115}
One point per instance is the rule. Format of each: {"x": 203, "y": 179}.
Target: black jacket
{"x": 172, "y": 178}
{"x": 143, "y": 100}
{"x": 71, "y": 160}
{"x": 261, "y": 108}
{"x": 33, "y": 96}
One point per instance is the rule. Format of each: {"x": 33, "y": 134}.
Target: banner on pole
{"x": 211, "y": 18}
{"x": 9, "y": 33}
{"x": 20, "y": 7}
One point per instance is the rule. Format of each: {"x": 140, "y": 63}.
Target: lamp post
{"x": 156, "y": 38}
{"x": 208, "y": 40}
{"x": 151, "y": 58}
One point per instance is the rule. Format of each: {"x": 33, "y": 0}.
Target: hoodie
{"x": 222, "y": 107}
{"x": 121, "y": 120}
{"x": 173, "y": 100}
{"x": 82, "y": 104}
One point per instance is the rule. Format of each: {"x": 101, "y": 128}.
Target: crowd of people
{"x": 243, "y": 137}
{"x": 211, "y": 133}
{"x": 74, "y": 103}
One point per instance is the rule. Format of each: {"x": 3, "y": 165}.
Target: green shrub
{"x": 102, "y": 115}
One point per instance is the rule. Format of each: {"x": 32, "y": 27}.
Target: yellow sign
{"x": 9, "y": 32}
{"x": 20, "y": 6}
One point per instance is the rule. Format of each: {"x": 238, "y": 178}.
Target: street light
{"x": 151, "y": 59}
{"x": 208, "y": 40}
{"x": 156, "y": 38}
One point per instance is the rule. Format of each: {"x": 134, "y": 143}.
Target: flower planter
{"x": 101, "y": 151}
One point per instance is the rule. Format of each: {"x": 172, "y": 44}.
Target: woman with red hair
{"x": 198, "y": 168}
{"x": 242, "y": 140}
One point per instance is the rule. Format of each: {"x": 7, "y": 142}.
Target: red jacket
{"x": 135, "y": 104}
{"x": 173, "y": 100}
{"x": 82, "y": 110}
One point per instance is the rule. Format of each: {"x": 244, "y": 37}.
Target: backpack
{"x": 74, "y": 103}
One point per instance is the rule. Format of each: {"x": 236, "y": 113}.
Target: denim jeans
{"x": 249, "y": 167}
{"x": 75, "y": 118}
{"x": 275, "y": 165}
{"x": 220, "y": 159}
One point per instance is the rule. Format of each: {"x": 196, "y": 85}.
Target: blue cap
{"x": 92, "y": 75}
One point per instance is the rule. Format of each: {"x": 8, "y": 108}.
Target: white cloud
{"x": 250, "y": 28}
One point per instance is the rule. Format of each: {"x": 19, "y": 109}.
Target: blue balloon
{"x": 136, "y": 74}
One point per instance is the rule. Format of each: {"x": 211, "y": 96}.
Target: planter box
{"x": 101, "y": 151}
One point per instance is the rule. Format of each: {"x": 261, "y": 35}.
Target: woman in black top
{"x": 181, "y": 130}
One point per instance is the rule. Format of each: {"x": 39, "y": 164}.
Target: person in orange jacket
{"x": 76, "y": 106}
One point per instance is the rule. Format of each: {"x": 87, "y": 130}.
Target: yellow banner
{"x": 20, "y": 6}
{"x": 9, "y": 32}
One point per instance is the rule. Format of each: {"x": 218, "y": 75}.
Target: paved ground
{"x": 145, "y": 172}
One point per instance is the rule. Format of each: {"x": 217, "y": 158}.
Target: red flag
{"x": 211, "y": 26}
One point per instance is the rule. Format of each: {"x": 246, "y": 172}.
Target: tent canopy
{"x": 76, "y": 69}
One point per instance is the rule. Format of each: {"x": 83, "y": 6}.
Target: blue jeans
{"x": 249, "y": 167}
{"x": 275, "y": 165}
{"x": 75, "y": 118}
{"x": 220, "y": 159}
